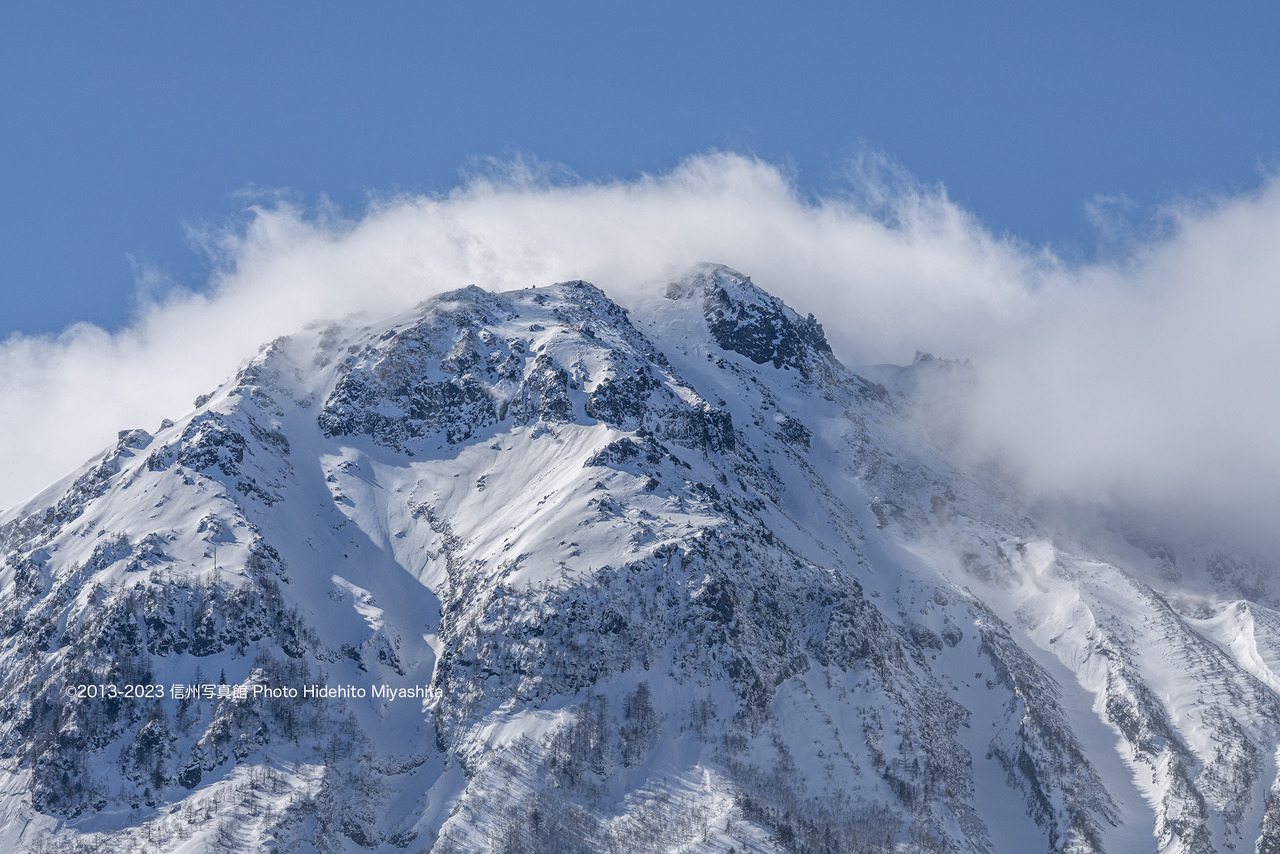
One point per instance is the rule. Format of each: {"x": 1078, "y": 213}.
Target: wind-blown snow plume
{"x": 1144, "y": 377}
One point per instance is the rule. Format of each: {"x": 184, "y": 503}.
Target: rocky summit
{"x": 528, "y": 572}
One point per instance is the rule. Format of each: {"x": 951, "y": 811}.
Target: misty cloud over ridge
{"x": 1147, "y": 378}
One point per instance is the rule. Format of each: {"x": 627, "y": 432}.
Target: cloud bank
{"x": 1144, "y": 378}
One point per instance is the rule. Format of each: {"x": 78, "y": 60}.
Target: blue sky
{"x": 125, "y": 123}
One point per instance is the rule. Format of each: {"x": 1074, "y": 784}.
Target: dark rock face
{"x": 212, "y": 442}
{"x": 761, "y": 334}
{"x": 622, "y": 401}
{"x": 743, "y": 319}
{"x": 450, "y": 378}
{"x": 423, "y": 381}
{"x": 637, "y": 401}
{"x": 208, "y": 442}
{"x": 453, "y": 378}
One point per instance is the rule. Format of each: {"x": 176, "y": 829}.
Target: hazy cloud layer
{"x": 1145, "y": 378}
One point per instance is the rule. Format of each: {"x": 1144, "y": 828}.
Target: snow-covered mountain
{"x": 526, "y": 572}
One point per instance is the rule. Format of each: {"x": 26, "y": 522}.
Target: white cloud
{"x": 1144, "y": 377}
{"x": 1150, "y": 381}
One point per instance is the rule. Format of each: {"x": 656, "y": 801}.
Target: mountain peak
{"x": 744, "y": 319}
